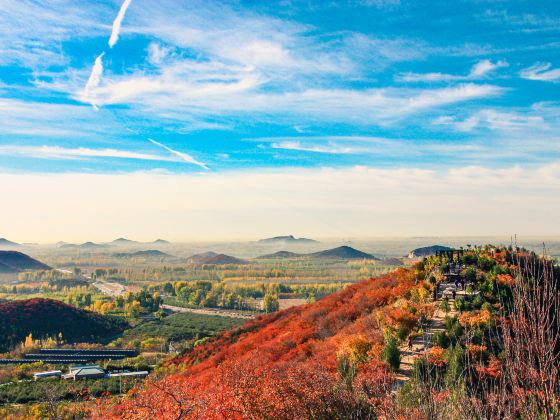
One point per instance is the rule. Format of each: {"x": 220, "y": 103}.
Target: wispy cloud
{"x": 117, "y": 23}
{"x": 57, "y": 152}
{"x": 49, "y": 121}
{"x": 186, "y": 89}
{"x": 479, "y": 70}
{"x": 33, "y": 32}
{"x": 498, "y": 120}
{"x": 93, "y": 81}
{"x": 542, "y": 72}
{"x": 183, "y": 156}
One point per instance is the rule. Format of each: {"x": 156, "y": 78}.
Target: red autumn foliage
{"x": 283, "y": 365}
{"x": 493, "y": 370}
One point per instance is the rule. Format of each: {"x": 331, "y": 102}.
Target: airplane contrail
{"x": 184, "y": 156}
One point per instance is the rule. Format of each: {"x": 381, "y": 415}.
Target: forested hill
{"x": 14, "y": 261}
{"x": 472, "y": 328}
{"x": 288, "y": 360}
{"x": 47, "y": 318}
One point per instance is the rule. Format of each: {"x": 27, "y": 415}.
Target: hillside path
{"x": 422, "y": 343}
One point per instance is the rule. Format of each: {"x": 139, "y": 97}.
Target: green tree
{"x": 271, "y": 303}
{"x": 456, "y": 367}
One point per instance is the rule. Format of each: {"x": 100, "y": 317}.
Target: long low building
{"x": 80, "y": 372}
{"x": 84, "y": 372}
{"x": 48, "y": 360}
{"x": 47, "y": 374}
{"x": 74, "y": 356}
{"x": 79, "y": 357}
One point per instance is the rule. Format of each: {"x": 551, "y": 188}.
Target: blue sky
{"x": 240, "y": 88}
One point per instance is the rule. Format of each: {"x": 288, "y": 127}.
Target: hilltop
{"x": 48, "y": 318}
{"x": 223, "y": 259}
{"x": 202, "y": 257}
{"x": 289, "y": 239}
{"x": 14, "y": 262}
{"x": 344, "y": 253}
{"x": 213, "y": 258}
{"x": 427, "y": 251}
{"x": 124, "y": 241}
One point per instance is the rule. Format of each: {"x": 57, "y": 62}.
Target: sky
{"x": 195, "y": 120}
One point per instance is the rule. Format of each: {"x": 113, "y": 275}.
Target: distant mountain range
{"x": 14, "y": 262}
{"x": 122, "y": 242}
{"x": 427, "y": 251}
{"x": 290, "y": 239}
{"x": 215, "y": 258}
{"x": 86, "y": 245}
{"x": 149, "y": 253}
{"x": 6, "y": 243}
{"x": 126, "y": 241}
{"x": 341, "y": 252}
{"x": 280, "y": 254}
{"x": 344, "y": 253}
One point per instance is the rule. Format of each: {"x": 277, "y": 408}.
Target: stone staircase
{"x": 422, "y": 343}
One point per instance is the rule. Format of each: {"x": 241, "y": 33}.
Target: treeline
{"x": 46, "y": 287}
{"x": 209, "y": 294}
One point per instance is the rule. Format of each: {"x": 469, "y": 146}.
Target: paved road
{"x": 210, "y": 311}
{"x": 111, "y": 289}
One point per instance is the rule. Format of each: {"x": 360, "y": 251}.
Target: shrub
{"x": 391, "y": 353}
{"x": 441, "y": 339}
{"x": 477, "y": 302}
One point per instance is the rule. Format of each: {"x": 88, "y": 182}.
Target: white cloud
{"x": 57, "y": 152}
{"x": 484, "y": 67}
{"x": 542, "y": 72}
{"x": 117, "y": 23}
{"x": 479, "y": 70}
{"x": 183, "y": 156}
{"x": 358, "y": 201}
{"x": 93, "y": 81}
{"x": 185, "y": 88}
{"x": 157, "y": 53}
